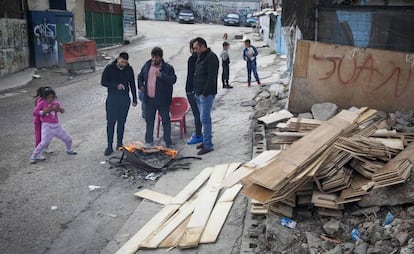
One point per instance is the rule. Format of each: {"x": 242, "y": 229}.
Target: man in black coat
{"x": 205, "y": 89}
{"x": 196, "y": 137}
{"x": 119, "y": 78}
{"x": 156, "y": 81}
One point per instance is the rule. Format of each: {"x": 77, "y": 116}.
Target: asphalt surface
{"x": 86, "y": 221}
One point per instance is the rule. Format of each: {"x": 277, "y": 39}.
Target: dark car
{"x": 251, "y": 21}
{"x": 186, "y": 16}
{"x": 232, "y": 19}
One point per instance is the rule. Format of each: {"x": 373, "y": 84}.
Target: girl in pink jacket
{"x": 47, "y": 110}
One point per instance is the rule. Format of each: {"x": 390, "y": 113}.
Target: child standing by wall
{"x": 47, "y": 109}
{"x": 225, "y": 63}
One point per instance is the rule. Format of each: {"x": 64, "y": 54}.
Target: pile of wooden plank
{"x": 194, "y": 216}
{"x": 342, "y": 159}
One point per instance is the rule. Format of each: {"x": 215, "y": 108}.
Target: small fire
{"x": 132, "y": 147}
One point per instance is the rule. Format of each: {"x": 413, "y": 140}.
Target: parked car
{"x": 251, "y": 21}
{"x": 186, "y": 16}
{"x": 232, "y": 19}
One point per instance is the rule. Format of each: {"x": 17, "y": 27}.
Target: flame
{"x": 132, "y": 147}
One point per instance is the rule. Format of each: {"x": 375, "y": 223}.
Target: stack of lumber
{"x": 194, "y": 216}
{"x": 341, "y": 160}
{"x": 300, "y": 124}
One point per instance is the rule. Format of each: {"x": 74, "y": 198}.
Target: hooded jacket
{"x": 112, "y": 76}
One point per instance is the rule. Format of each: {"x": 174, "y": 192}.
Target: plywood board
{"x": 154, "y": 196}
{"x": 275, "y": 117}
{"x": 351, "y": 76}
{"x": 174, "y": 237}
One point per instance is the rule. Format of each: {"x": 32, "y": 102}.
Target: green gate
{"x": 104, "y": 28}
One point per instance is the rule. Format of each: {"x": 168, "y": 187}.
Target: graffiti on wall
{"x": 204, "y": 11}
{"x": 14, "y": 51}
{"x": 45, "y": 36}
{"x": 364, "y": 70}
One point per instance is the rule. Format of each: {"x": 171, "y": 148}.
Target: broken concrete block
{"x": 410, "y": 211}
{"x": 336, "y": 250}
{"x": 402, "y": 237}
{"x": 331, "y": 227}
{"x": 313, "y": 243}
{"x": 324, "y": 111}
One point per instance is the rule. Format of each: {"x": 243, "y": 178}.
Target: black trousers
{"x": 151, "y": 107}
{"x": 117, "y": 108}
{"x": 225, "y": 75}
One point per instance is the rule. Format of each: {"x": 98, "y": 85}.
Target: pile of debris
{"x": 327, "y": 163}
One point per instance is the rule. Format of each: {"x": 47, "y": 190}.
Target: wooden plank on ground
{"x": 259, "y": 161}
{"x": 154, "y": 196}
{"x": 175, "y": 236}
{"x": 202, "y": 211}
{"x": 193, "y": 186}
{"x": 132, "y": 245}
{"x": 275, "y": 117}
{"x": 216, "y": 222}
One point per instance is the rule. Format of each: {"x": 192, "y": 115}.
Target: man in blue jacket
{"x": 156, "y": 81}
{"x": 119, "y": 78}
{"x": 249, "y": 55}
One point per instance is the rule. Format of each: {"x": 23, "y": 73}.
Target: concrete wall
{"x": 14, "y": 49}
{"x": 351, "y": 76}
{"x": 77, "y": 7}
{"x": 38, "y": 5}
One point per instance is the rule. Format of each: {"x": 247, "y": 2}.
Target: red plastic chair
{"x": 178, "y": 110}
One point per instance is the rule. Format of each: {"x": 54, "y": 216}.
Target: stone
{"x": 348, "y": 247}
{"x": 401, "y": 194}
{"x": 409, "y": 249}
{"x": 361, "y": 248}
{"x": 251, "y": 103}
{"x": 324, "y": 111}
{"x": 328, "y": 245}
{"x": 306, "y": 115}
{"x": 282, "y": 237}
{"x": 410, "y": 211}
{"x": 313, "y": 243}
{"x": 402, "y": 237}
{"x": 374, "y": 250}
{"x": 336, "y": 250}
{"x": 331, "y": 227}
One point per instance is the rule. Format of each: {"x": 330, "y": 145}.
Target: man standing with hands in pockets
{"x": 119, "y": 78}
{"x": 156, "y": 81}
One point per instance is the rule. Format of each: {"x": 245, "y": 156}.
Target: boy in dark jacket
{"x": 156, "y": 81}
{"x": 119, "y": 78}
{"x": 225, "y": 63}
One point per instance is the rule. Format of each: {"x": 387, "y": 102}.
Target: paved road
{"x": 86, "y": 221}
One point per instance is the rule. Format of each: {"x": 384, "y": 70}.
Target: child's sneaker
{"x": 33, "y": 160}
{"x": 48, "y": 151}
{"x": 71, "y": 152}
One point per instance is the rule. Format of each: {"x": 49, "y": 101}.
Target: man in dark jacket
{"x": 156, "y": 81}
{"x": 119, "y": 78}
{"x": 196, "y": 137}
{"x": 205, "y": 88}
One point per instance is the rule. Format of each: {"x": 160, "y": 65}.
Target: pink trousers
{"x": 49, "y": 131}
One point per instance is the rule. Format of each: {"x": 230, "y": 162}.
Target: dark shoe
{"x": 259, "y": 83}
{"x": 200, "y": 146}
{"x": 108, "y": 151}
{"x": 229, "y": 86}
{"x": 204, "y": 151}
{"x": 249, "y": 84}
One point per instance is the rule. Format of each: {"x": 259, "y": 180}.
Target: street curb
{"x": 130, "y": 40}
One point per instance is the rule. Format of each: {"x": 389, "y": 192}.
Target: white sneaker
{"x": 48, "y": 151}
{"x": 40, "y": 158}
